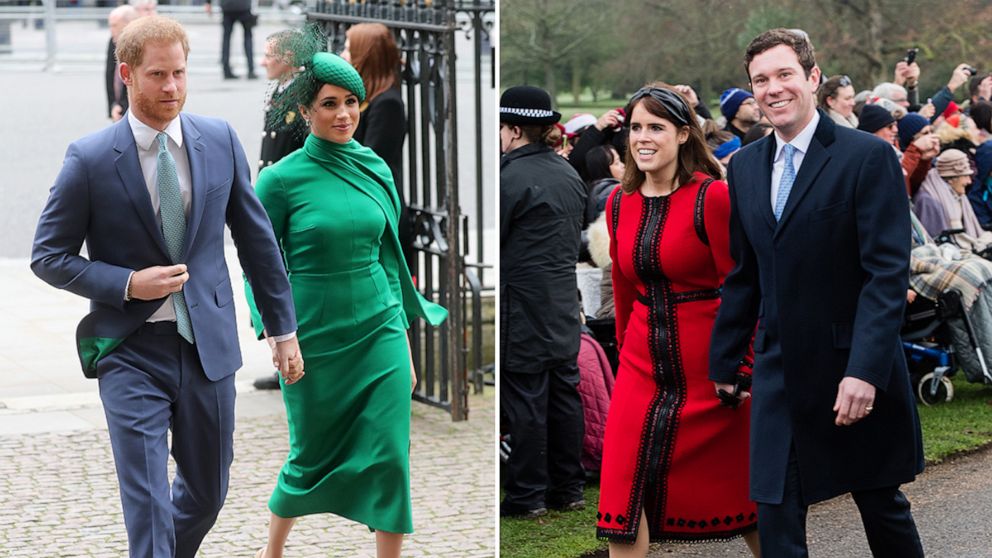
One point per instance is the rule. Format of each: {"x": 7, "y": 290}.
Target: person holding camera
{"x": 943, "y": 97}
{"x": 907, "y": 75}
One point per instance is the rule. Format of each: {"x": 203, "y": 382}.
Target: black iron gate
{"x": 425, "y": 32}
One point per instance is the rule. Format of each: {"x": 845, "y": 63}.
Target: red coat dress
{"x": 670, "y": 448}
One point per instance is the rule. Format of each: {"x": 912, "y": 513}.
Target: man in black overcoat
{"x": 820, "y": 230}
{"x": 542, "y": 202}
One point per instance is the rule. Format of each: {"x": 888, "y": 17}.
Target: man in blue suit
{"x": 150, "y": 196}
{"x": 820, "y": 230}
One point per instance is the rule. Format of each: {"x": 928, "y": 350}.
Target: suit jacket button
{"x": 273, "y": 135}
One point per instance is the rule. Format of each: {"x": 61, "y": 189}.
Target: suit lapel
{"x": 763, "y": 180}
{"x": 129, "y": 170}
{"x": 198, "y": 178}
{"x": 813, "y": 162}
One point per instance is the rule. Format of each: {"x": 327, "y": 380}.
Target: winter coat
{"x": 542, "y": 203}
{"x": 595, "y": 386}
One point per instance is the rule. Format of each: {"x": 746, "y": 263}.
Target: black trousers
{"x": 246, "y": 20}
{"x": 542, "y": 413}
{"x": 889, "y": 525}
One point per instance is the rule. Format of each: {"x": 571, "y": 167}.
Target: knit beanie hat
{"x": 730, "y": 101}
{"x": 727, "y": 147}
{"x": 953, "y": 162}
{"x": 873, "y": 118}
{"x": 909, "y": 126}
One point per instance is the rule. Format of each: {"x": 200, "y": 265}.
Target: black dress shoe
{"x": 252, "y": 75}
{"x": 230, "y": 75}
{"x": 506, "y": 510}
{"x": 268, "y": 382}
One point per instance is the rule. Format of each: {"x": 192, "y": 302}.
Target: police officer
{"x": 542, "y": 202}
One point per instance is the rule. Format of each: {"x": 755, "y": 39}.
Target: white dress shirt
{"x": 801, "y": 143}
{"x": 145, "y": 137}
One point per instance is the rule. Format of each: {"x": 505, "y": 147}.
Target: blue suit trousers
{"x": 151, "y": 383}
{"x": 885, "y": 514}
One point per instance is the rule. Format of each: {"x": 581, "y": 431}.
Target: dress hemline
{"x": 680, "y": 538}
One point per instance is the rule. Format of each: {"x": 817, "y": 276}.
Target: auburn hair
{"x": 376, "y": 57}
{"x": 146, "y": 30}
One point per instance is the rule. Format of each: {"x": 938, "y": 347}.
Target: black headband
{"x": 673, "y": 102}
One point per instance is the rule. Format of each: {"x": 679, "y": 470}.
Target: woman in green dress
{"x": 334, "y": 211}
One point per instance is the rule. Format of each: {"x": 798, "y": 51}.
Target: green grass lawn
{"x": 556, "y": 535}
{"x": 962, "y": 425}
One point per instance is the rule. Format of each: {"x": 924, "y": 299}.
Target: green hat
{"x": 332, "y": 69}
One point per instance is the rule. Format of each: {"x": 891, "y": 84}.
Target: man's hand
{"x": 928, "y": 110}
{"x": 855, "y": 398}
{"x": 609, "y": 119}
{"x": 159, "y": 281}
{"x": 209, "y": 8}
{"x": 907, "y": 75}
{"x": 985, "y": 88}
{"x": 689, "y": 93}
{"x": 929, "y": 146}
{"x": 287, "y": 359}
{"x": 116, "y": 113}
{"x": 959, "y": 77}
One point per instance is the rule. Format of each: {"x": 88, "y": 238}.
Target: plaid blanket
{"x": 931, "y": 274}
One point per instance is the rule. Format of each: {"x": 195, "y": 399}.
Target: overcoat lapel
{"x": 129, "y": 170}
{"x": 198, "y": 179}
{"x": 763, "y": 181}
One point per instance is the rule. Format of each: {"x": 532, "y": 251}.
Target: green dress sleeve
{"x": 270, "y": 191}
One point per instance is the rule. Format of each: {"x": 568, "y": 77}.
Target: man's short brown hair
{"x": 795, "y": 39}
{"x": 145, "y": 30}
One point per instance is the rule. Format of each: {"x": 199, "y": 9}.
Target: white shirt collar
{"x": 802, "y": 140}
{"x": 144, "y": 135}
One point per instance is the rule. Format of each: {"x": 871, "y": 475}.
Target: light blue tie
{"x": 173, "y": 225}
{"x": 785, "y": 183}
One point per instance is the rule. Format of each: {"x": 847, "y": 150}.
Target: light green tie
{"x": 173, "y": 225}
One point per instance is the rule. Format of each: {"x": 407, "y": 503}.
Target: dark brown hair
{"x": 794, "y": 39}
{"x": 536, "y": 133}
{"x": 694, "y": 155}
{"x": 375, "y": 55}
{"x": 829, "y": 89}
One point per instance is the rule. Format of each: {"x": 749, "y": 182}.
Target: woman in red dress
{"x": 675, "y": 460}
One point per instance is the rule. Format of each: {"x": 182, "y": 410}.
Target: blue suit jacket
{"x": 100, "y": 197}
{"x": 826, "y": 287}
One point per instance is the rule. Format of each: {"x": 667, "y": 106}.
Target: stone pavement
{"x": 58, "y": 490}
